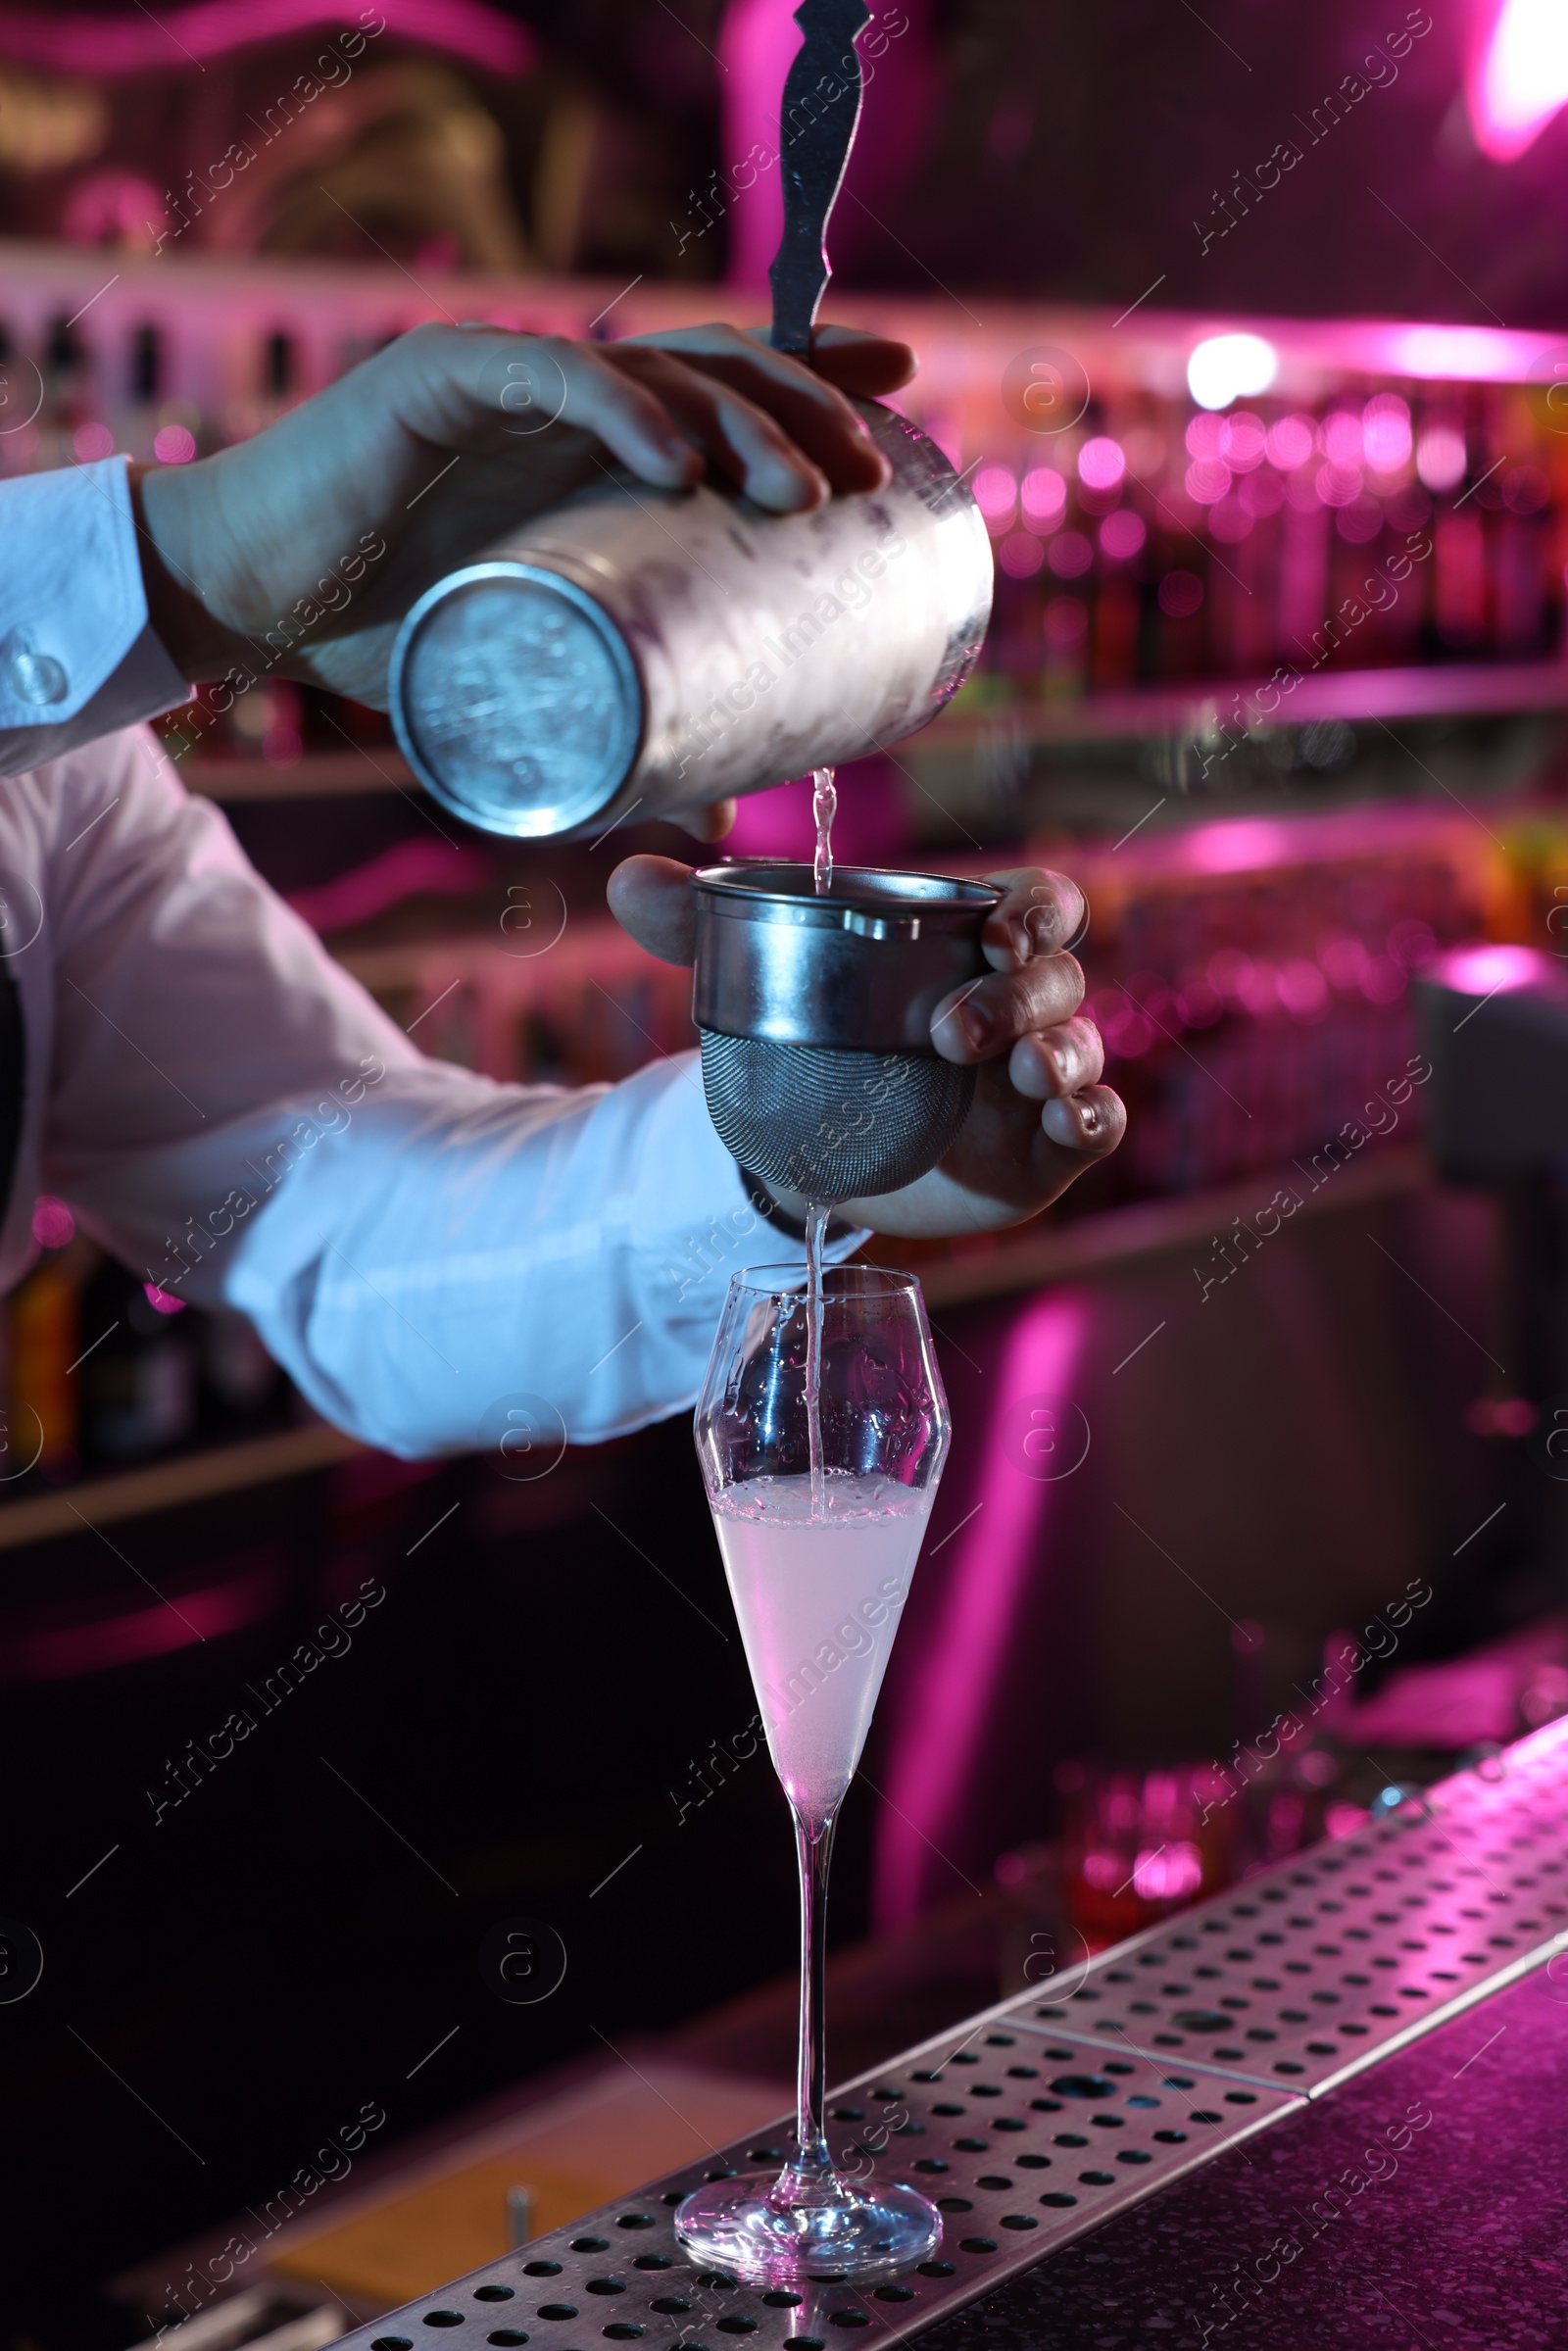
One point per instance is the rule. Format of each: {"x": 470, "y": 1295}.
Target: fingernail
{"x": 1089, "y": 1118}
{"x": 1059, "y": 1065}
{"x": 1042, "y": 924}
{"x": 975, "y": 1018}
{"x": 1060, "y": 1123}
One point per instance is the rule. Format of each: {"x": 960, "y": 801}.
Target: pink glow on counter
{"x": 945, "y": 1717}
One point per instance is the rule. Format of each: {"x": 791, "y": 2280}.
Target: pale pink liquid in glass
{"x": 818, "y": 1596}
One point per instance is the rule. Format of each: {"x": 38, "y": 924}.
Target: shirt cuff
{"x": 78, "y": 656}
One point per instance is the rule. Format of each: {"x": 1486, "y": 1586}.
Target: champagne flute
{"x": 818, "y": 1584}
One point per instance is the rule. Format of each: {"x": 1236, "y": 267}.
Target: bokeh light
{"x": 173, "y": 445}
{"x": 1180, "y": 594}
{"x": 1386, "y": 432}
{"x": 1440, "y": 457}
{"x": 1242, "y": 441}
{"x": 1122, "y": 534}
{"x": 1101, "y": 462}
{"x": 1208, "y": 478}
{"x": 1339, "y": 485}
{"x": 1066, "y": 621}
{"x": 996, "y": 494}
{"x": 1291, "y": 442}
{"x": 53, "y": 1224}
{"x": 1043, "y": 495}
{"x": 1227, "y": 367}
{"x": 1341, "y": 437}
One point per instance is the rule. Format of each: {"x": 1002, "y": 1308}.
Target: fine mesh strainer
{"x": 815, "y": 1014}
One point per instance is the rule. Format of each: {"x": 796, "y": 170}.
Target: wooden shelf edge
{"x": 164, "y": 1485}
{"x": 1154, "y": 1228}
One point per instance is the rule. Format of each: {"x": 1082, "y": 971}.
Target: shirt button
{"x": 35, "y": 679}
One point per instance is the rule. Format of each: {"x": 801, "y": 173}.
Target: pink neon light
{"x": 1521, "y": 79}
{"x": 1233, "y": 848}
{"x": 397, "y": 873}
{"x": 136, "y": 44}
{"x": 1488, "y": 970}
{"x": 757, "y": 41}
{"x": 1459, "y": 353}
{"x": 945, "y": 1718}
{"x": 55, "y": 1656}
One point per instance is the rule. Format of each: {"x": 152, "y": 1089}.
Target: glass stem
{"x": 814, "y": 1850}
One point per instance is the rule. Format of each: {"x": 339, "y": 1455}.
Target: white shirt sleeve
{"x": 78, "y": 658}
{"x": 424, "y": 1250}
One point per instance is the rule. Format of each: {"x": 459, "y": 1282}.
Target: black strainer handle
{"x": 821, "y": 108}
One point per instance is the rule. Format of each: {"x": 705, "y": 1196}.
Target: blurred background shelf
{"x": 1201, "y": 707}
{"x": 1042, "y": 1251}
{"x": 94, "y": 1502}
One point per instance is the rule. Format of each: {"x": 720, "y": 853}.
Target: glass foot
{"x": 773, "y": 2230}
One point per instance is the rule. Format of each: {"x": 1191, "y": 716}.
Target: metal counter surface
{"x": 1130, "y": 2151}
{"x": 1424, "y": 2203}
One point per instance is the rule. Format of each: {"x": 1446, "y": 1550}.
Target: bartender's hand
{"x": 1040, "y": 1116}
{"x": 296, "y": 554}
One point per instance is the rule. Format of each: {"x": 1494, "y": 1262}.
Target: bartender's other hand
{"x": 297, "y": 553}
{"x": 1040, "y": 1116}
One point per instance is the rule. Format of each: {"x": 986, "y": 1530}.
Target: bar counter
{"x": 1318, "y": 2108}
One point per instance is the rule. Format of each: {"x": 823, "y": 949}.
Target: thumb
{"x": 650, "y": 898}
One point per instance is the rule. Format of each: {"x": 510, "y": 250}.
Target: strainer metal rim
{"x": 890, "y": 897}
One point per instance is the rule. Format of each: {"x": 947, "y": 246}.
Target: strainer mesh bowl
{"x": 832, "y": 1124}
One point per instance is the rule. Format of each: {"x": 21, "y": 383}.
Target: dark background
{"x": 236, "y": 1982}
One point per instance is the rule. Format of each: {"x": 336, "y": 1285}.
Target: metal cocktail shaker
{"x": 638, "y": 650}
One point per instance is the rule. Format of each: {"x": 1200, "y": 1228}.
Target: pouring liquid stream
{"x": 824, "y": 807}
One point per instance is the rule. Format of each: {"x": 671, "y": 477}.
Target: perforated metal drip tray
{"x": 1051, "y": 2112}
{"x": 1303, "y": 1974}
